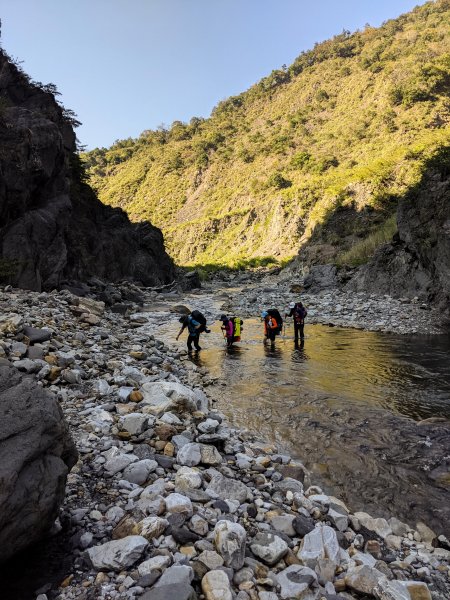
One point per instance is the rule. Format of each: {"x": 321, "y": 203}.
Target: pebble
{"x": 168, "y": 500}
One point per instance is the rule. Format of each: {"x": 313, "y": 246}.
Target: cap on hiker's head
{"x": 292, "y": 305}
{"x": 223, "y": 318}
{"x": 264, "y": 314}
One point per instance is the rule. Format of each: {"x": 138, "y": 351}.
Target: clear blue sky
{"x": 128, "y": 65}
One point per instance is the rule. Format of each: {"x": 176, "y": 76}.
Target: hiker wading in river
{"x": 228, "y": 329}
{"x": 298, "y": 312}
{"x": 271, "y": 327}
{"x": 194, "y": 328}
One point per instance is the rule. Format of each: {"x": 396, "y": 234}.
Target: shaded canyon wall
{"x": 52, "y": 226}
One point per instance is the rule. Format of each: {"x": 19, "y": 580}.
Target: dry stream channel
{"x": 367, "y": 413}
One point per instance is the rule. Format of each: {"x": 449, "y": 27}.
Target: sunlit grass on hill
{"x": 364, "y": 249}
{"x": 349, "y": 123}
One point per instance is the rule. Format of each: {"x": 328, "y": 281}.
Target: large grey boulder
{"x": 229, "y": 540}
{"x": 298, "y": 582}
{"x": 321, "y": 277}
{"x": 401, "y": 590}
{"x": 163, "y": 396}
{"x": 226, "y": 488}
{"x": 36, "y": 454}
{"x": 320, "y": 543}
{"x": 174, "y": 584}
{"x": 216, "y": 586}
{"x": 363, "y": 579}
{"x": 118, "y": 554}
{"x": 268, "y": 547}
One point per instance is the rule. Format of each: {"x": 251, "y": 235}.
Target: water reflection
{"x": 406, "y": 375}
{"x": 299, "y": 355}
{"x": 345, "y": 402}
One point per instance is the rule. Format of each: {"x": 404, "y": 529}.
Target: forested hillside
{"x": 314, "y": 156}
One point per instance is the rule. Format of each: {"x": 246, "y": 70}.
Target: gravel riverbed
{"x": 168, "y": 500}
{"x": 333, "y": 307}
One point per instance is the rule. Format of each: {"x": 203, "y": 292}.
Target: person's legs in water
{"x": 271, "y": 336}
{"x": 196, "y": 339}
{"x": 301, "y": 345}
{"x": 189, "y": 342}
{"x": 299, "y": 329}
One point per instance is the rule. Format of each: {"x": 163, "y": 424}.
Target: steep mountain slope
{"x": 52, "y": 226}
{"x": 320, "y": 151}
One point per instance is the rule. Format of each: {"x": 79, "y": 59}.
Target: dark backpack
{"x": 273, "y": 312}
{"x": 300, "y": 313}
{"x": 199, "y": 317}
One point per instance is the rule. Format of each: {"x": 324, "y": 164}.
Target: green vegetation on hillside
{"x": 351, "y": 123}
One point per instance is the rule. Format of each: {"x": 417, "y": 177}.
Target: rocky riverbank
{"x": 168, "y": 501}
{"x": 335, "y": 307}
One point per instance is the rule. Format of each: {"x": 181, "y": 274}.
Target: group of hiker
{"x": 273, "y": 322}
{"x": 195, "y": 323}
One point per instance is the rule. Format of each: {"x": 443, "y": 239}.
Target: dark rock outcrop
{"x": 417, "y": 262}
{"x": 36, "y": 453}
{"x": 321, "y": 277}
{"x": 190, "y": 281}
{"x": 52, "y": 226}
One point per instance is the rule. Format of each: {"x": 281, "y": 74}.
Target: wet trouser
{"x": 230, "y": 340}
{"x": 193, "y": 338}
{"x": 270, "y": 335}
{"x": 299, "y": 329}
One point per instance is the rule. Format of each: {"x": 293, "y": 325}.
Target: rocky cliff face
{"x": 417, "y": 263}
{"x": 52, "y": 226}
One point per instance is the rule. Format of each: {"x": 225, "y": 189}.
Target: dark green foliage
{"x": 300, "y": 159}
{"x": 279, "y": 182}
{"x": 321, "y": 95}
{"x": 174, "y": 162}
{"x": 245, "y": 155}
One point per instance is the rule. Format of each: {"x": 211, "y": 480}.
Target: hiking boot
{"x": 207, "y": 330}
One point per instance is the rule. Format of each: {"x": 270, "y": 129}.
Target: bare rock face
{"x": 321, "y": 277}
{"x": 36, "y": 453}
{"x": 52, "y": 226}
{"x": 417, "y": 263}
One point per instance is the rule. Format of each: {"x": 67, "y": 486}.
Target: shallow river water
{"x": 348, "y": 405}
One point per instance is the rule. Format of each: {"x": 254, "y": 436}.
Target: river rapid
{"x": 368, "y": 413}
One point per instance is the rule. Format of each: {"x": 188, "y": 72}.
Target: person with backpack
{"x": 298, "y": 312}
{"x": 232, "y": 327}
{"x": 200, "y": 318}
{"x": 194, "y": 330}
{"x": 273, "y": 324}
{"x": 228, "y": 329}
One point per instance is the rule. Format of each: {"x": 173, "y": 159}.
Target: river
{"x": 350, "y": 404}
